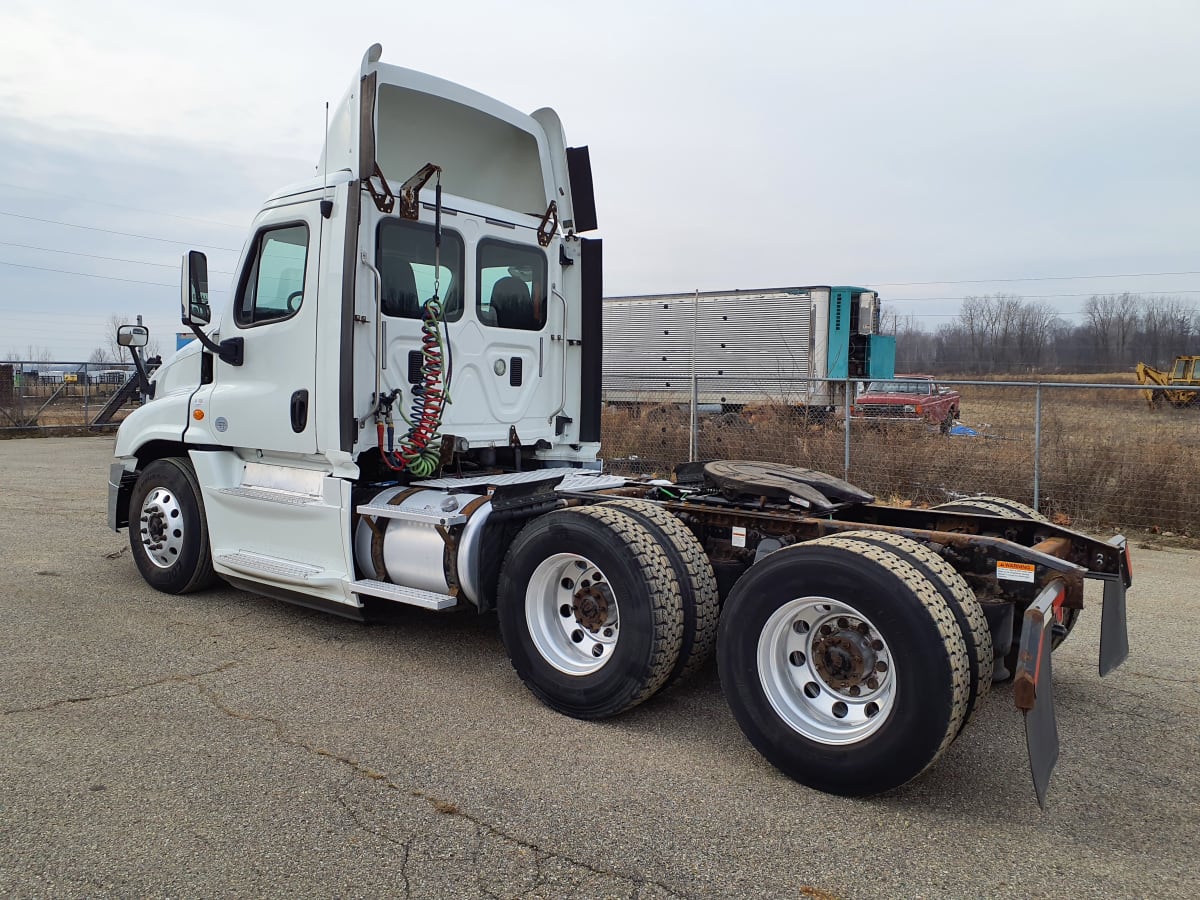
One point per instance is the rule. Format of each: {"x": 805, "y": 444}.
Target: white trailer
{"x": 275, "y": 453}
{"x": 777, "y": 345}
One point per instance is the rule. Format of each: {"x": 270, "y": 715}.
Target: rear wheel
{"x": 993, "y": 506}
{"x": 590, "y": 611}
{"x": 958, "y": 597}
{"x": 843, "y": 665}
{"x": 1001, "y": 506}
{"x": 697, "y": 583}
{"x": 168, "y": 534}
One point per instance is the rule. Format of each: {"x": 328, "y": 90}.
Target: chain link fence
{"x": 57, "y": 397}
{"x": 1086, "y": 455}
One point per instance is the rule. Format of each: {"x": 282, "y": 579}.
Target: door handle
{"x": 299, "y": 411}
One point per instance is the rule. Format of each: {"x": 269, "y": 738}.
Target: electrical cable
{"x": 1026, "y": 278}
{"x": 152, "y": 212}
{"x": 144, "y": 237}
{"x": 136, "y": 262}
{"x": 93, "y": 275}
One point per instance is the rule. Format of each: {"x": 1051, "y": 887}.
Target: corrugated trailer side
{"x": 748, "y": 347}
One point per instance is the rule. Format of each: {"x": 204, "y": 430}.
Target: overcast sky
{"x": 734, "y": 145}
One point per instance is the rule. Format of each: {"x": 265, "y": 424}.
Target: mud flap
{"x": 1035, "y": 687}
{"x": 1114, "y": 631}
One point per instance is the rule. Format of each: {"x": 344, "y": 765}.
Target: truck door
{"x": 523, "y": 324}
{"x": 268, "y": 402}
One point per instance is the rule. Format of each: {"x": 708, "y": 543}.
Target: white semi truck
{"x": 400, "y": 404}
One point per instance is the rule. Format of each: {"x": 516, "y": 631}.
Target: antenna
{"x": 326, "y": 203}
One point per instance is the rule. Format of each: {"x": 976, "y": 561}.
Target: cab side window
{"x": 273, "y": 286}
{"x": 512, "y": 285}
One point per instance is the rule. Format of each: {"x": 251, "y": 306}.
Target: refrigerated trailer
{"x": 777, "y": 345}
{"x": 399, "y": 402}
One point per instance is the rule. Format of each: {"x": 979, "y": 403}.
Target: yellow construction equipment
{"x": 1181, "y": 385}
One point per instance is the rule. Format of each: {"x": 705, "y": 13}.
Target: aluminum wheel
{"x": 826, "y": 670}
{"x": 572, "y": 614}
{"x": 162, "y": 528}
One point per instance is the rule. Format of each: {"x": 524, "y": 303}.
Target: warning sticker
{"x": 738, "y": 536}
{"x": 1014, "y": 571}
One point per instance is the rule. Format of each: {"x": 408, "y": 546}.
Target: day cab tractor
{"x": 399, "y": 403}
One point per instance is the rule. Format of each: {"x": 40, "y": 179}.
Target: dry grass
{"x": 1106, "y": 458}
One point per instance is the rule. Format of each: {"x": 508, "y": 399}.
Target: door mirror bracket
{"x": 196, "y": 311}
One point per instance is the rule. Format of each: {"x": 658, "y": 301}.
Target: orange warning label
{"x": 1014, "y": 571}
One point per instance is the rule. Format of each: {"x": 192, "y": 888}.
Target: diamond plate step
{"x": 274, "y": 568}
{"x": 423, "y": 516}
{"x": 401, "y": 594}
{"x": 271, "y": 495}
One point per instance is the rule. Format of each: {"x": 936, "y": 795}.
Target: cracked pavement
{"x": 225, "y": 743}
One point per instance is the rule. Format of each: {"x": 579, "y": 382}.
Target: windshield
{"x": 899, "y": 387}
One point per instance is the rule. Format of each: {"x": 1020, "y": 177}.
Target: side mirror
{"x": 133, "y": 335}
{"x": 194, "y": 289}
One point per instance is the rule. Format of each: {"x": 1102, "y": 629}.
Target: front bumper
{"x": 120, "y": 486}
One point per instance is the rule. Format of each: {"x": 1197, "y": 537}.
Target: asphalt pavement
{"x": 225, "y": 744}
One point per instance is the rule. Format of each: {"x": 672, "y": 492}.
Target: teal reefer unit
{"x": 854, "y": 349}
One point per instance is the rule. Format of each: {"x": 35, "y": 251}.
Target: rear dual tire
{"x": 844, "y": 665}
{"x": 1001, "y": 506}
{"x": 590, "y": 611}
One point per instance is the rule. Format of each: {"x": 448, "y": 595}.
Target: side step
{"x": 271, "y": 495}
{"x": 400, "y": 594}
{"x": 420, "y": 516}
{"x": 275, "y": 569}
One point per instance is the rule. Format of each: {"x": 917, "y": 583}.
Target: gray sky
{"x": 733, "y": 145}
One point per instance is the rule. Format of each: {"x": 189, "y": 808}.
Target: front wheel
{"x": 590, "y": 611}
{"x": 168, "y": 533}
{"x": 843, "y": 666}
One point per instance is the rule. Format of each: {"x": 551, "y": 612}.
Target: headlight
{"x": 910, "y": 409}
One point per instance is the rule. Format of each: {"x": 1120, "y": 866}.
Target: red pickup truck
{"x": 908, "y": 399}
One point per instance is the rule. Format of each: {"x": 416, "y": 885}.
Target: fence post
{"x": 1037, "y": 444}
{"x": 694, "y": 438}
{"x": 846, "y": 430}
{"x": 87, "y": 393}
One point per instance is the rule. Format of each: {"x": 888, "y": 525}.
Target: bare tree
{"x": 1113, "y": 320}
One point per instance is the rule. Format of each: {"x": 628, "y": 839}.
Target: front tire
{"x": 168, "y": 533}
{"x": 843, "y": 665}
{"x": 590, "y": 611}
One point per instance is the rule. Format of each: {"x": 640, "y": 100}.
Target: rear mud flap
{"x": 1114, "y": 631}
{"x": 1035, "y": 686}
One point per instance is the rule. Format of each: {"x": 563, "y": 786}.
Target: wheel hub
{"x": 844, "y": 658}
{"x": 826, "y": 670}
{"x": 573, "y": 614}
{"x": 591, "y": 606}
{"x": 160, "y": 523}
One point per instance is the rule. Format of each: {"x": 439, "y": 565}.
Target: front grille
{"x": 883, "y": 409}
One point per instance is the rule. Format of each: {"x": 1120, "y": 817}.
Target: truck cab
{"x": 426, "y": 297}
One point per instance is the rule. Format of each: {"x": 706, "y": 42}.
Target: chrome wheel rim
{"x": 161, "y": 526}
{"x": 572, "y": 614}
{"x": 826, "y": 670}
